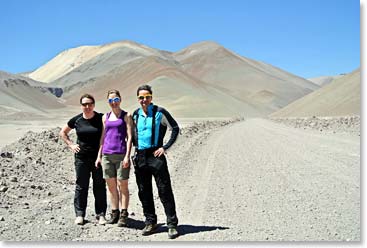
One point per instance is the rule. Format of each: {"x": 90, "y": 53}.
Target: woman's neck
{"x": 88, "y": 115}
{"x": 116, "y": 111}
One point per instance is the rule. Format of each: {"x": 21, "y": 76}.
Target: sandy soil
{"x": 252, "y": 180}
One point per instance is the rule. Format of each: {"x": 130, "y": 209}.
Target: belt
{"x": 146, "y": 151}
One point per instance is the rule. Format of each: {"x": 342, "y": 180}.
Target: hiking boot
{"x": 101, "y": 220}
{"x": 149, "y": 229}
{"x": 114, "y": 217}
{"x": 123, "y": 218}
{"x": 79, "y": 220}
{"x": 172, "y": 233}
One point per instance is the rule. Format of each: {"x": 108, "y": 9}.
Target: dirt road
{"x": 253, "y": 180}
{"x": 258, "y": 180}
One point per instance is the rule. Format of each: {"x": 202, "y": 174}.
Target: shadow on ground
{"x": 137, "y": 224}
{"x": 182, "y": 229}
{"x": 188, "y": 229}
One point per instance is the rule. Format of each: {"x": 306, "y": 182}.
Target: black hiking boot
{"x": 123, "y": 218}
{"x": 172, "y": 233}
{"x": 149, "y": 229}
{"x": 115, "y": 214}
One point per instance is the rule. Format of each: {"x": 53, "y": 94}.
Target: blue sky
{"x": 308, "y": 38}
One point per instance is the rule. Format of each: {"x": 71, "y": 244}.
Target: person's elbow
{"x": 62, "y": 133}
{"x": 176, "y": 129}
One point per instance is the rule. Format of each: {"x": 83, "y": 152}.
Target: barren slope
{"x": 219, "y": 80}
{"x": 17, "y": 95}
{"x": 243, "y": 78}
{"x": 74, "y": 58}
{"x": 178, "y": 91}
{"x": 341, "y": 97}
{"x": 324, "y": 80}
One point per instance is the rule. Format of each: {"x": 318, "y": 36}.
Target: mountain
{"x": 19, "y": 94}
{"x": 324, "y": 80}
{"x": 341, "y": 97}
{"x": 243, "y": 78}
{"x": 202, "y": 80}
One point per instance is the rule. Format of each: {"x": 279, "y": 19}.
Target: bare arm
{"x": 99, "y": 157}
{"x": 64, "y": 134}
{"x": 129, "y": 135}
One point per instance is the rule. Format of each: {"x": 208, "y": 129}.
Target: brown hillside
{"x": 339, "y": 98}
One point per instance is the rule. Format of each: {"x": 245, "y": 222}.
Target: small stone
{"x": 48, "y": 222}
{"x": 2, "y": 218}
{"x": 3, "y": 189}
{"x": 7, "y": 155}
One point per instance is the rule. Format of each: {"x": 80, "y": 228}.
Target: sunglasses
{"x": 144, "y": 97}
{"x": 116, "y": 99}
{"x": 87, "y": 103}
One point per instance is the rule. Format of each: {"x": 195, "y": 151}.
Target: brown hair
{"x": 113, "y": 92}
{"x": 145, "y": 87}
{"x": 89, "y": 96}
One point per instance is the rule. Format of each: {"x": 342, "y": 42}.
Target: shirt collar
{"x": 150, "y": 110}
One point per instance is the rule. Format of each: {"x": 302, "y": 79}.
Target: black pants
{"x": 147, "y": 166}
{"x": 84, "y": 167}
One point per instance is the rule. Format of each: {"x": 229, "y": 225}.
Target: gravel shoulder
{"x": 252, "y": 180}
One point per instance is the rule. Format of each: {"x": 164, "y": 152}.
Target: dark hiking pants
{"x": 146, "y": 167}
{"x": 84, "y": 167}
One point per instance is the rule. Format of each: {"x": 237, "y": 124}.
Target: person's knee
{"x": 122, "y": 184}
{"x": 111, "y": 184}
{"x": 82, "y": 187}
{"x": 165, "y": 192}
{"x": 82, "y": 183}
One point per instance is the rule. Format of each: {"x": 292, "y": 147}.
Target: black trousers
{"x": 84, "y": 167}
{"x": 146, "y": 167}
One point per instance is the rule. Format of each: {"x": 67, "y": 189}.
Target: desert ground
{"x": 252, "y": 179}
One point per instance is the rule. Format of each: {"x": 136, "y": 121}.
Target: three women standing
{"x": 103, "y": 147}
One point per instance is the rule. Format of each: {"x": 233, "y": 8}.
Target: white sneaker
{"x": 79, "y": 220}
{"x": 102, "y": 220}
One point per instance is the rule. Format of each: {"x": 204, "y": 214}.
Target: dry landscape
{"x": 263, "y": 155}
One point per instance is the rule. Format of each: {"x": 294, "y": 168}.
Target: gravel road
{"x": 257, "y": 180}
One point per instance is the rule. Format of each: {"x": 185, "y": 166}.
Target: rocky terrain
{"x": 37, "y": 188}
{"x": 349, "y": 124}
{"x": 234, "y": 180}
